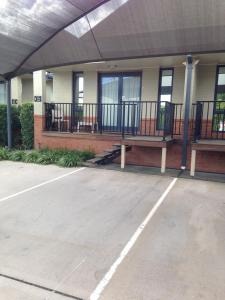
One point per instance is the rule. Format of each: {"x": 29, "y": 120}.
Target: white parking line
{"x": 108, "y": 276}
{"x": 41, "y": 184}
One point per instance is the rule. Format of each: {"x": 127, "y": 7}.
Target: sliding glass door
{"x": 115, "y": 91}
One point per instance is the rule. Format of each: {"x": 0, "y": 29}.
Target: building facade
{"x": 95, "y": 105}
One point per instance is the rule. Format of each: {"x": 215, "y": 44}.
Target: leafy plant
{"x": 3, "y": 125}
{"x": 4, "y": 154}
{"x": 44, "y": 159}
{"x": 17, "y": 155}
{"x": 27, "y": 125}
{"x": 16, "y": 126}
{"x": 87, "y": 154}
{"x": 61, "y": 157}
{"x": 69, "y": 160}
{"x": 31, "y": 157}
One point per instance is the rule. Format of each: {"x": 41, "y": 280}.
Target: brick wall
{"x": 206, "y": 161}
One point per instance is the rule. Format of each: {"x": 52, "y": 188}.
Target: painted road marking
{"x": 108, "y": 276}
{"x": 40, "y": 185}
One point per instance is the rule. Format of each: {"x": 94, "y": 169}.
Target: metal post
{"x": 9, "y": 122}
{"x": 187, "y": 110}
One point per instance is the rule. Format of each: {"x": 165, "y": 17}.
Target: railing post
{"x": 198, "y": 121}
{"x": 123, "y": 119}
{"x": 133, "y": 118}
{"x": 100, "y": 116}
{"x": 72, "y": 112}
{"x": 166, "y": 121}
{"x": 172, "y": 111}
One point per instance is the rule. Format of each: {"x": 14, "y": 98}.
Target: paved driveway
{"x": 61, "y": 230}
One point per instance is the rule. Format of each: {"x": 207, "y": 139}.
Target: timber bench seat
{"x": 147, "y": 141}
{"x": 205, "y": 145}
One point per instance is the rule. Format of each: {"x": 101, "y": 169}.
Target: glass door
{"x": 116, "y": 90}
{"x": 131, "y": 93}
{"x": 110, "y": 102}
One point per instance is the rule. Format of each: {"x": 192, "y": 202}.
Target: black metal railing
{"x": 143, "y": 118}
{"x": 209, "y": 120}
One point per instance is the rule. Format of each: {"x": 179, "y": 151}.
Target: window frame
{"x": 158, "y": 125}
{"x": 216, "y": 82}
{"x": 74, "y": 86}
{"x": 120, "y": 75}
{"x": 217, "y": 111}
{"x": 160, "y": 82}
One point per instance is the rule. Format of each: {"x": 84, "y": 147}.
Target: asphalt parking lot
{"x": 102, "y": 234}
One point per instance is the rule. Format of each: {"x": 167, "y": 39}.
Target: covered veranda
{"x": 50, "y": 34}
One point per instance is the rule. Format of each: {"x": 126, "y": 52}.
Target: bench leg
{"x": 163, "y": 160}
{"x": 123, "y": 154}
{"x": 193, "y": 162}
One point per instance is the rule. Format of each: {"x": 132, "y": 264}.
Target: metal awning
{"x": 39, "y": 34}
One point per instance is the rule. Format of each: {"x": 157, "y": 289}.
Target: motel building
{"x": 152, "y": 86}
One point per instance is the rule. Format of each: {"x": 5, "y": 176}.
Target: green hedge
{"x": 27, "y": 125}
{"x": 3, "y": 125}
{"x": 60, "y": 157}
{"x": 16, "y": 126}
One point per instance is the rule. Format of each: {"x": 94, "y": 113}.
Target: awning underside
{"x": 116, "y": 29}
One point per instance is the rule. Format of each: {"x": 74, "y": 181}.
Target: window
{"x": 164, "y": 94}
{"x": 78, "y": 88}
{"x": 165, "y": 85}
{"x": 220, "y": 84}
{"x": 2, "y": 92}
{"x": 219, "y": 107}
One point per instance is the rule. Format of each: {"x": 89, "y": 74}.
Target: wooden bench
{"x": 146, "y": 141}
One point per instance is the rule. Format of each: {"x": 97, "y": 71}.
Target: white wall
{"x": 150, "y": 79}
{"x": 62, "y": 87}
{"x": 27, "y": 90}
{"x": 49, "y": 90}
{"x": 203, "y": 87}
{"x": 206, "y": 78}
{"x": 178, "y": 84}
{"x": 90, "y": 86}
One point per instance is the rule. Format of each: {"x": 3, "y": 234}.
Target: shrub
{"x": 63, "y": 158}
{"x": 44, "y": 159}
{"x": 31, "y": 157}
{"x": 16, "y": 126}
{"x": 27, "y": 125}
{"x": 87, "y": 154}
{"x": 3, "y": 125}
{"x": 17, "y": 155}
{"x": 4, "y": 154}
{"x": 69, "y": 160}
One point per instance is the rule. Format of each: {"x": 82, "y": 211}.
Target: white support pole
{"x": 193, "y": 162}
{"x": 163, "y": 160}
{"x": 123, "y": 154}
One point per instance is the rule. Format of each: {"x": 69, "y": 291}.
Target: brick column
{"x": 39, "y": 85}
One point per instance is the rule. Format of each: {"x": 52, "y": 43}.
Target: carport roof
{"x": 39, "y": 34}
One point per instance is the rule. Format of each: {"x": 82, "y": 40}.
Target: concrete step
{"x": 107, "y": 156}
